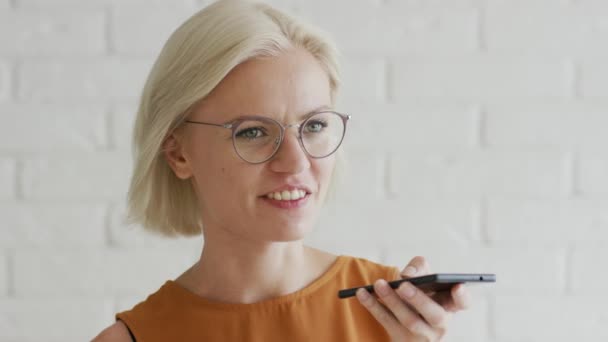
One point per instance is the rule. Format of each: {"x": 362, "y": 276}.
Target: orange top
{"x": 314, "y": 313}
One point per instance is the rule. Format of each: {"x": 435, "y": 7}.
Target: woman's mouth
{"x": 287, "y": 199}
{"x": 287, "y": 195}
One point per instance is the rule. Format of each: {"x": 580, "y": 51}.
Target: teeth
{"x": 287, "y": 195}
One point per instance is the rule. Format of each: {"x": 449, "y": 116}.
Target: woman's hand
{"x": 409, "y": 314}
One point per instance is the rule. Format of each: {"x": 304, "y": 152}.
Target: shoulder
{"x": 370, "y": 270}
{"x": 116, "y": 332}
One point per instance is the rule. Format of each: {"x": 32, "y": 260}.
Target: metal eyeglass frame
{"x": 234, "y": 124}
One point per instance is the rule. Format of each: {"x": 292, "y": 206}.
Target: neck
{"x": 248, "y": 273}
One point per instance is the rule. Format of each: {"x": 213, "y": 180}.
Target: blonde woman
{"x": 236, "y": 138}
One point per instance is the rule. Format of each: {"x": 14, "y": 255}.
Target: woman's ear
{"x": 173, "y": 150}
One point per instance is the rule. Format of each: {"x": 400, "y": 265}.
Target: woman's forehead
{"x": 286, "y": 86}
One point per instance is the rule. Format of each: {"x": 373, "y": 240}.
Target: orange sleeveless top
{"x": 314, "y": 313}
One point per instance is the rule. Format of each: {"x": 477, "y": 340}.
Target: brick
{"x": 52, "y": 33}
{"x": 571, "y": 124}
{"x": 5, "y": 77}
{"x": 403, "y": 30}
{"x": 134, "y": 34}
{"x": 26, "y": 319}
{"x": 141, "y": 272}
{"x": 128, "y": 302}
{"x": 110, "y": 272}
{"x": 100, "y": 80}
{"x": 543, "y": 172}
{"x": 586, "y": 277}
{"x": 104, "y": 175}
{"x": 593, "y": 78}
{"x": 33, "y": 128}
{"x": 52, "y": 224}
{"x": 363, "y": 80}
{"x": 8, "y": 177}
{"x": 43, "y": 272}
{"x": 458, "y": 4}
{"x": 356, "y": 222}
{"x": 471, "y": 324}
{"x": 132, "y": 236}
{"x": 123, "y": 120}
{"x": 556, "y": 222}
{"x": 551, "y": 318}
{"x": 481, "y": 78}
{"x": 542, "y": 267}
{"x": 573, "y": 29}
{"x": 102, "y": 3}
{"x": 592, "y": 171}
{"x": 4, "y": 276}
{"x": 411, "y": 126}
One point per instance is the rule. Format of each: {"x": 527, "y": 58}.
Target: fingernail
{"x": 407, "y": 290}
{"x": 362, "y": 294}
{"x": 409, "y": 271}
{"x": 382, "y": 287}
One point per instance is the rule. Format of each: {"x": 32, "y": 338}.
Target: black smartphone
{"x": 429, "y": 283}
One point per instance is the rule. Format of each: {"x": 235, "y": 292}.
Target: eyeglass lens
{"x": 256, "y": 140}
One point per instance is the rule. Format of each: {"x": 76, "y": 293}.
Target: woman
{"x": 236, "y": 139}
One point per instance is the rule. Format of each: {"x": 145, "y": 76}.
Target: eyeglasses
{"x": 257, "y": 139}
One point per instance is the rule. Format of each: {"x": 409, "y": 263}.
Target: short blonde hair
{"x": 196, "y": 57}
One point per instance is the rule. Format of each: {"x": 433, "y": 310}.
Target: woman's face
{"x": 233, "y": 193}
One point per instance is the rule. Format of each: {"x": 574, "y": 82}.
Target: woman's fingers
{"x": 456, "y": 299}
{"x": 417, "y": 266}
{"x": 381, "y": 314}
{"x": 461, "y": 297}
{"x": 433, "y": 313}
{"x": 407, "y": 316}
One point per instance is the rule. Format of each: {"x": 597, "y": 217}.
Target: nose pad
{"x": 290, "y": 157}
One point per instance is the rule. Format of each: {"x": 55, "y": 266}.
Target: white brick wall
{"x": 4, "y": 80}
{"x": 4, "y": 278}
{"x": 550, "y": 318}
{"x": 593, "y": 71}
{"x": 478, "y": 140}
{"x": 8, "y": 170}
{"x": 69, "y": 224}
{"x": 53, "y": 319}
{"x": 544, "y": 172}
{"x": 539, "y": 28}
{"x": 77, "y": 176}
{"x": 48, "y": 128}
{"x": 586, "y": 280}
{"x": 565, "y": 124}
{"x": 552, "y": 221}
{"x": 150, "y": 31}
{"x": 82, "y": 80}
{"x": 481, "y": 77}
{"x": 593, "y": 169}
{"x": 52, "y": 32}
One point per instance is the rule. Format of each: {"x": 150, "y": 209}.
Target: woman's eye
{"x": 315, "y": 126}
{"x": 251, "y": 133}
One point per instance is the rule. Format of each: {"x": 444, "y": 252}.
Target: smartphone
{"x": 429, "y": 283}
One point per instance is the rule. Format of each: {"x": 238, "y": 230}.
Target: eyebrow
{"x": 319, "y": 109}
{"x": 314, "y": 111}
{"x": 300, "y": 118}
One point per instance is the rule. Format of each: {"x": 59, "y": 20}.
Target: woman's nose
{"x": 290, "y": 158}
